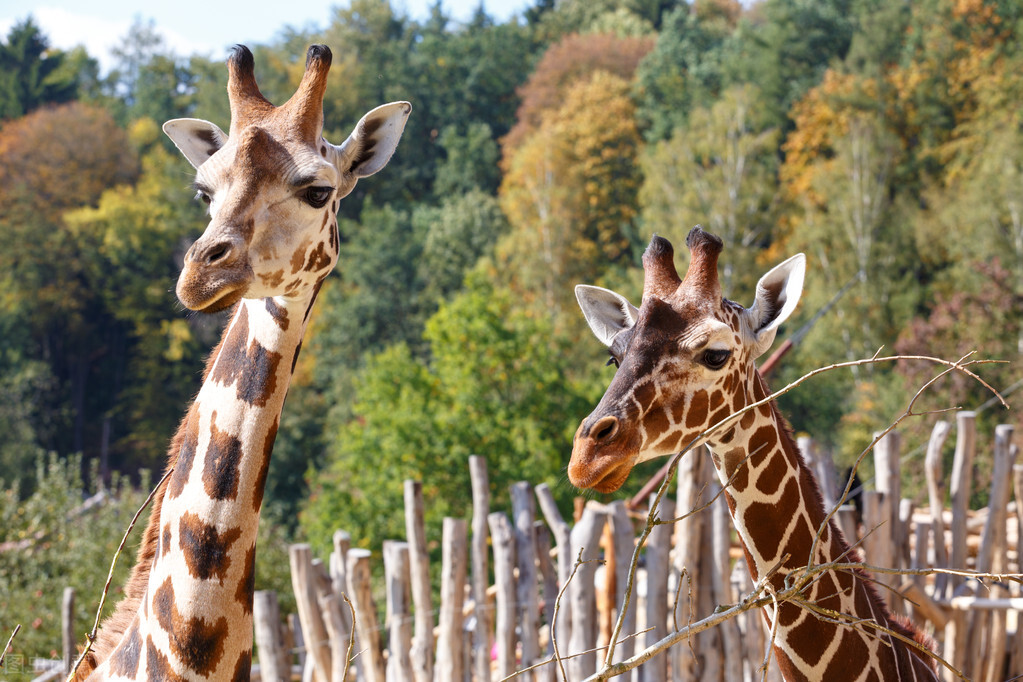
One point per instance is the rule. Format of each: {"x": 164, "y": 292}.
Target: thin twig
{"x": 3, "y": 654}
{"x": 91, "y": 637}
{"x": 351, "y": 637}
{"x": 551, "y": 659}
{"x": 557, "y": 611}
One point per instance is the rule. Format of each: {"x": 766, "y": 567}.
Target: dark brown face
{"x": 685, "y": 359}
{"x": 670, "y": 386}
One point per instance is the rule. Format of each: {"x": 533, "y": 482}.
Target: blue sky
{"x": 195, "y": 26}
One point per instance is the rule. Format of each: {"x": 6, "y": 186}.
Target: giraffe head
{"x": 685, "y": 358}
{"x": 273, "y": 186}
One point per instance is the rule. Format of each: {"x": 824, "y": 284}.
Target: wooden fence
{"x": 547, "y": 579}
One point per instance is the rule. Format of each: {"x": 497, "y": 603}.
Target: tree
{"x": 570, "y": 193}
{"x": 687, "y": 66}
{"x": 494, "y": 386}
{"x": 50, "y": 161}
{"x": 572, "y": 59}
{"x": 719, "y": 170}
{"x": 31, "y": 74}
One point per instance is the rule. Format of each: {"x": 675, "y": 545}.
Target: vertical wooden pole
{"x": 993, "y": 555}
{"x": 504, "y": 580}
{"x": 419, "y": 567}
{"x": 448, "y": 664}
{"x": 399, "y": 611}
{"x": 67, "y": 617}
{"x": 548, "y": 574}
{"x": 959, "y": 486}
{"x": 527, "y": 591}
{"x": 366, "y": 623}
{"x": 877, "y": 540}
{"x": 887, "y": 470}
{"x": 303, "y": 580}
{"x": 936, "y": 500}
{"x": 694, "y": 473}
{"x": 274, "y": 659}
{"x": 1016, "y": 660}
{"x": 658, "y": 550}
{"x": 624, "y": 546}
{"x": 731, "y": 640}
{"x": 563, "y": 542}
{"x": 480, "y": 572}
{"x": 585, "y": 538}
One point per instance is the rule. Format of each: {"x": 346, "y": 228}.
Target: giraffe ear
{"x": 197, "y": 139}
{"x": 608, "y": 314}
{"x": 778, "y": 294}
{"x": 371, "y": 144}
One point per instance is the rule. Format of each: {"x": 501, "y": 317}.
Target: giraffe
{"x": 685, "y": 361}
{"x": 273, "y": 186}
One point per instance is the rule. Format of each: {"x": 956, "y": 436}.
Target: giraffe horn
{"x": 660, "y": 278}
{"x": 702, "y": 274}
{"x": 247, "y": 102}
{"x": 306, "y": 106}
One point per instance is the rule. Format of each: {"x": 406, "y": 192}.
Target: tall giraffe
{"x": 685, "y": 361}
{"x": 273, "y": 186}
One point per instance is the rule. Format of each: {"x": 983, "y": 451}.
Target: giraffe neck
{"x": 777, "y": 509}
{"x": 194, "y": 617}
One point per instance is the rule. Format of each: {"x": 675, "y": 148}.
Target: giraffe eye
{"x": 715, "y": 358}
{"x": 612, "y": 361}
{"x": 317, "y": 197}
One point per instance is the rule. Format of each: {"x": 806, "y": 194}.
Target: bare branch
{"x": 91, "y": 637}
{"x": 3, "y": 654}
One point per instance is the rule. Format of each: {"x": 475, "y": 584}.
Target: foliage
{"x": 570, "y": 193}
{"x": 494, "y": 386}
{"x": 31, "y": 74}
{"x": 562, "y": 66}
{"x": 62, "y": 535}
{"x": 719, "y": 169}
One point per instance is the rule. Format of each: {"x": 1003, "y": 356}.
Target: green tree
{"x": 687, "y": 67}
{"x": 50, "y": 161}
{"x": 570, "y": 194}
{"x": 719, "y": 170}
{"x": 494, "y": 386}
{"x": 31, "y": 74}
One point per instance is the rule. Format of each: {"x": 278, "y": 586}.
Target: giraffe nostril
{"x": 605, "y": 429}
{"x": 217, "y": 252}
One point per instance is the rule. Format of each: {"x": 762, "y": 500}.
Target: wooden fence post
{"x": 67, "y": 618}
{"x": 959, "y": 486}
{"x": 658, "y": 550}
{"x": 342, "y": 542}
{"x": 731, "y": 640}
{"x": 399, "y": 613}
{"x": 877, "y": 540}
{"x": 480, "y": 574}
{"x": 563, "y": 542}
{"x": 992, "y": 557}
{"x": 585, "y": 538}
{"x": 274, "y": 661}
{"x": 504, "y": 579}
{"x": 452, "y": 592}
{"x": 366, "y": 623}
{"x": 527, "y": 590}
{"x": 314, "y": 630}
{"x": 624, "y": 546}
{"x": 936, "y": 498}
{"x": 419, "y": 567}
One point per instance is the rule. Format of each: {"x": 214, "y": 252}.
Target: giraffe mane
{"x": 116, "y": 625}
{"x": 899, "y": 624}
